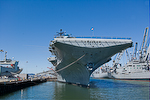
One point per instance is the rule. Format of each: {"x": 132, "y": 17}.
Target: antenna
{"x": 60, "y": 33}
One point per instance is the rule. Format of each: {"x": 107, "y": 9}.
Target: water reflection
{"x": 100, "y": 89}
{"x": 65, "y": 91}
{"x": 103, "y": 89}
{"x": 118, "y": 89}
{"x": 110, "y": 83}
{"x": 21, "y": 93}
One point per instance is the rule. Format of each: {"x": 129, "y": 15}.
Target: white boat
{"x": 101, "y": 72}
{"x": 77, "y": 57}
{"x": 9, "y": 67}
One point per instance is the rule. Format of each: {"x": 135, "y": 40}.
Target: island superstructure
{"x": 77, "y": 57}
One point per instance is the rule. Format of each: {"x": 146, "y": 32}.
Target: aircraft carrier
{"x": 75, "y": 58}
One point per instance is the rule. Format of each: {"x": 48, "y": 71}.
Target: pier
{"x": 10, "y": 86}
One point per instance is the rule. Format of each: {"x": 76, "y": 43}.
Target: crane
{"x": 134, "y": 51}
{"x": 142, "y": 52}
{"x": 118, "y": 58}
{"x": 127, "y": 55}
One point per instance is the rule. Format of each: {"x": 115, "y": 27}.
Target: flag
{"x": 92, "y": 29}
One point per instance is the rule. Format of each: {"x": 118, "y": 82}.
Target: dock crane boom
{"x": 142, "y": 52}
{"x": 127, "y": 55}
{"x": 118, "y": 58}
{"x": 145, "y": 46}
{"x": 134, "y": 51}
{"x": 144, "y": 40}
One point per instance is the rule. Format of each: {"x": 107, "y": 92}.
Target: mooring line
{"x": 70, "y": 64}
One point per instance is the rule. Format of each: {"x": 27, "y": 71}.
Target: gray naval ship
{"x": 138, "y": 68}
{"x": 9, "y": 67}
{"x": 101, "y": 72}
{"x": 75, "y": 58}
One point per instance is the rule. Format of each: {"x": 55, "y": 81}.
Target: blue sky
{"x": 27, "y": 26}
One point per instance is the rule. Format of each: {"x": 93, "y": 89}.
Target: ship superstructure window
{"x": 129, "y": 65}
{"x": 138, "y": 65}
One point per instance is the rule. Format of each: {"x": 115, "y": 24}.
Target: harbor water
{"x": 100, "y": 89}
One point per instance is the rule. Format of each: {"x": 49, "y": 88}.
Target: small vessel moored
{"x": 101, "y": 72}
{"x": 9, "y": 67}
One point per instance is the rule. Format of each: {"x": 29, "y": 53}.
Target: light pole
{"x": 1, "y": 53}
{"x": 26, "y": 66}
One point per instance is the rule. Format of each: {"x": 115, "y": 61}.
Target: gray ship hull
{"x": 77, "y": 57}
{"x": 133, "y": 76}
{"x": 78, "y": 73}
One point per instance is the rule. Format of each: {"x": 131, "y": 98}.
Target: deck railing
{"x": 105, "y": 37}
{"x": 93, "y": 37}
